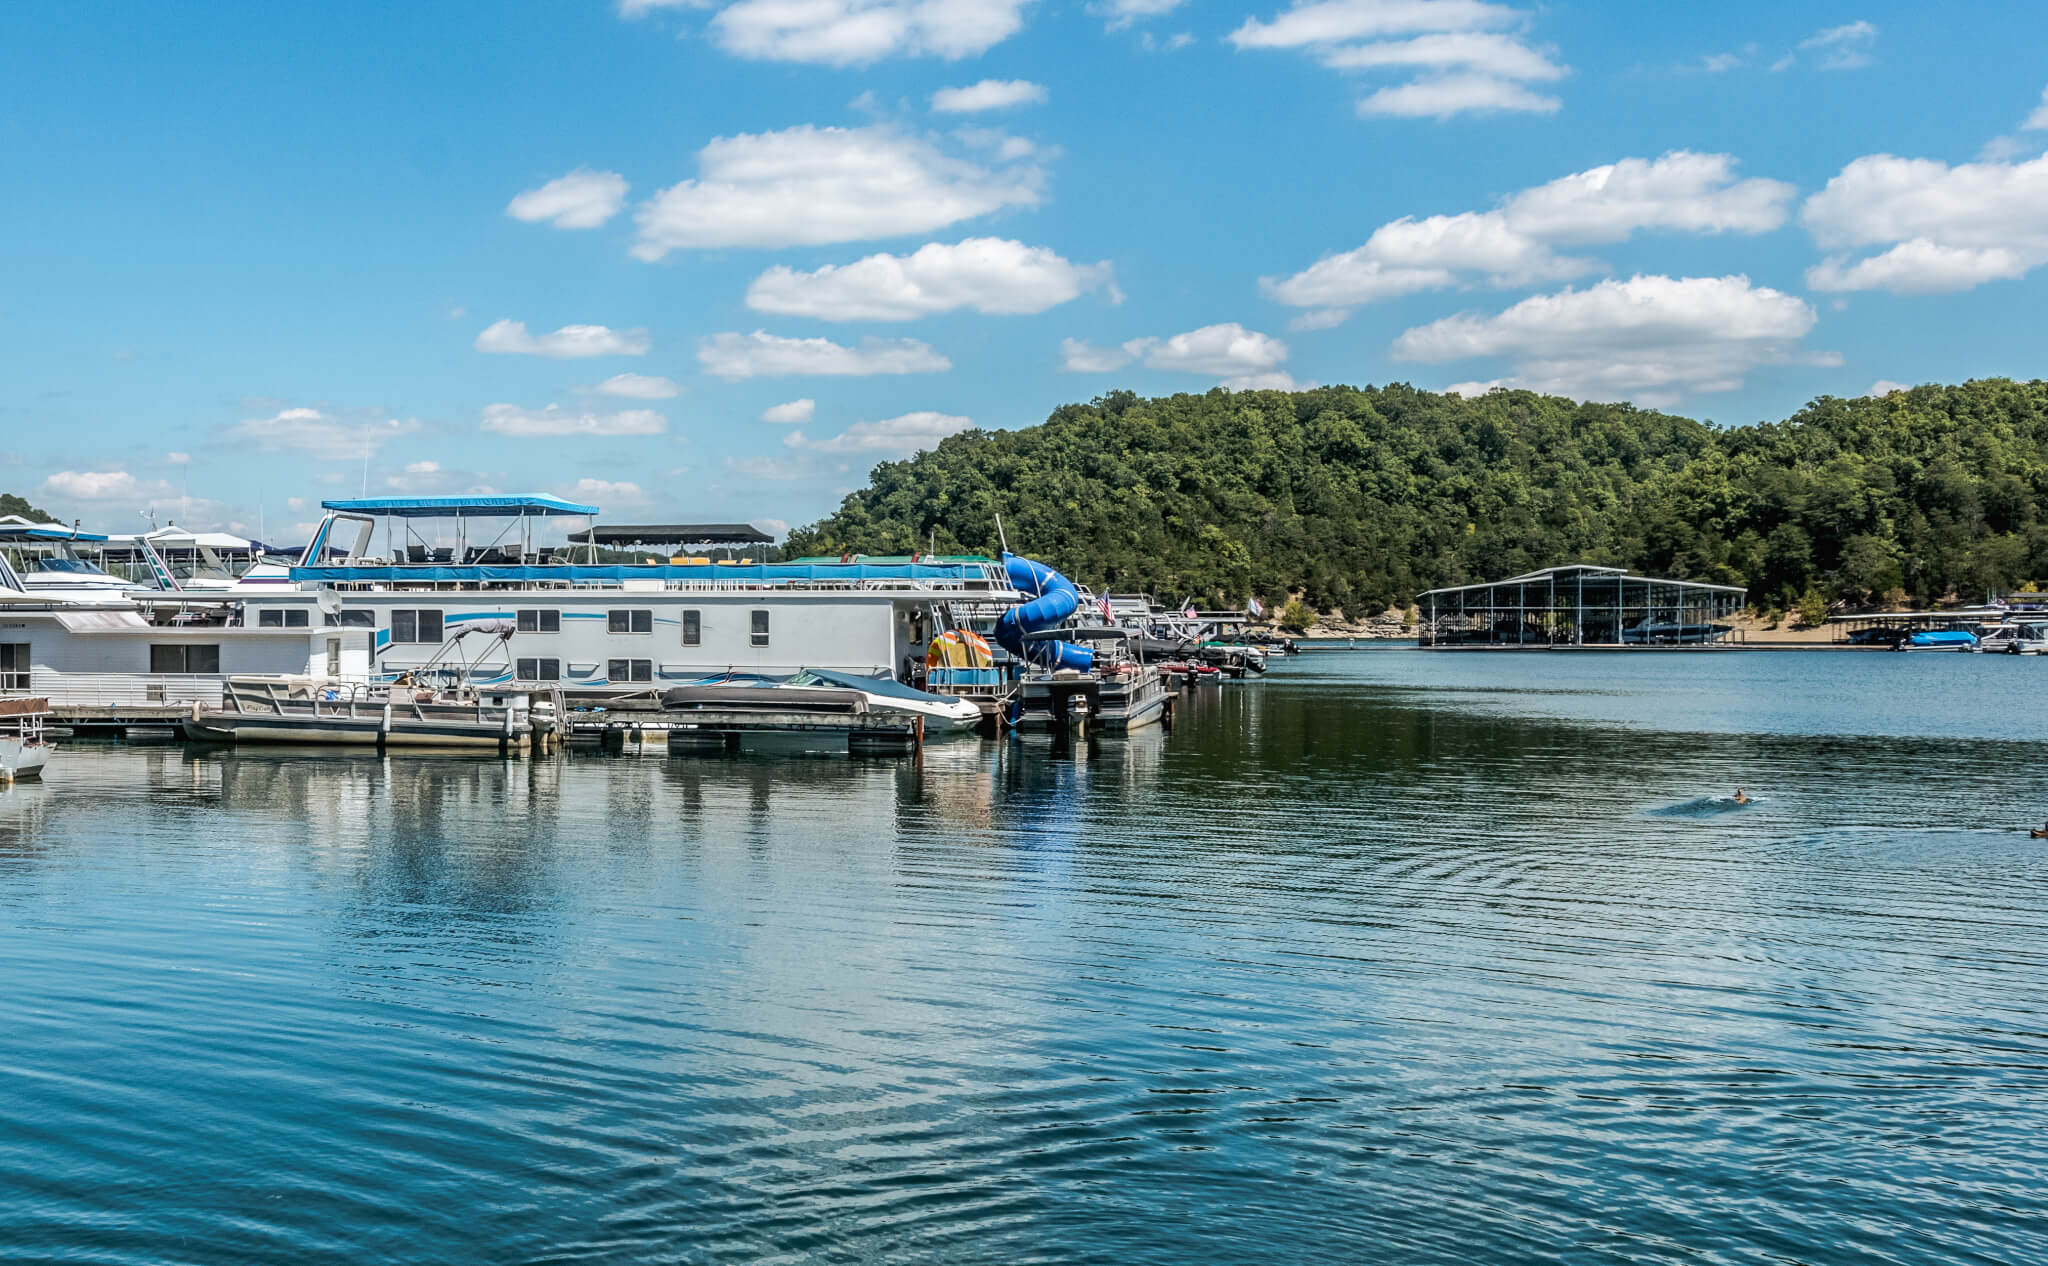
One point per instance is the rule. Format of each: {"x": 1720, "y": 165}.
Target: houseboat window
{"x": 14, "y": 666}
{"x": 760, "y": 628}
{"x": 182, "y": 658}
{"x": 540, "y": 621}
{"x": 540, "y": 670}
{"x": 416, "y": 626}
{"x": 282, "y": 618}
{"x": 639, "y": 620}
{"x": 693, "y": 628}
{"x": 630, "y": 670}
{"x": 334, "y": 657}
{"x": 352, "y": 620}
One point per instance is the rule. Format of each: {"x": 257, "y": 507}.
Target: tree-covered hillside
{"x": 11, "y": 504}
{"x": 1362, "y": 497}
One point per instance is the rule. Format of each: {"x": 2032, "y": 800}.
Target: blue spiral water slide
{"x": 1053, "y": 599}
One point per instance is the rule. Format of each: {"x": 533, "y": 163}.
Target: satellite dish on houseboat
{"x": 329, "y": 602}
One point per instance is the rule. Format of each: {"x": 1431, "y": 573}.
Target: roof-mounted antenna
{"x": 1000, "y": 536}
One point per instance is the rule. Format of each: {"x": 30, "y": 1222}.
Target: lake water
{"x": 1394, "y": 956}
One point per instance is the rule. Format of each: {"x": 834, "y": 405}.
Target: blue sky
{"x": 256, "y": 255}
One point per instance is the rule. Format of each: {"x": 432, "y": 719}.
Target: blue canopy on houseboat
{"x": 16, "y": 532}
{"x": 759, "y": 573}
{"x": 511, "y": 506}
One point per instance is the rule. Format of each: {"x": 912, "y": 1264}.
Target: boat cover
{"x": 763, "y": 697}
{"x": 887, "y": 687}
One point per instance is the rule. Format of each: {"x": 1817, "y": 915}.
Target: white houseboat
{"x": 584, "y": 622}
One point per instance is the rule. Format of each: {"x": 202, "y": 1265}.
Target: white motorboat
{"x": 23, "y": 749}
{"x": 43, "y": 560}
{"x": 2014, "y": 637}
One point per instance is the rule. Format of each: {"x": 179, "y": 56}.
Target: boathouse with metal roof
{"x": 1578, "y": 605}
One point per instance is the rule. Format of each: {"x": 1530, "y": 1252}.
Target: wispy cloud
{"x": 554, "y": 420}
{"x": 1456, "y": 56}
{"x": 583, "y": 199}
{"x": 571, "y": 342}
{"x": 989, "y": 94}
{"x": 764, "y": 355}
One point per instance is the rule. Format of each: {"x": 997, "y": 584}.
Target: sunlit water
{"x": 1392, "y": 957}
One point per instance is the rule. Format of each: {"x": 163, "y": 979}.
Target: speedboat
{"x": 44, "y": 559}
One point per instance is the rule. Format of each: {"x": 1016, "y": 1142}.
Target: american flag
{"x": 1102, "y": 604}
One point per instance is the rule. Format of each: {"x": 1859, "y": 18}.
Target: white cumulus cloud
{"x": 571, "y": 342}
{"x": 812, "y": 186}
{"x": 792, "y": 413}
{"x": 764, "y": 355}
{"x": 1457, "y": 57}
{"x": 1241, "y": 358}
{"x": 1885, "y": 386}
{"x": 859, "y": 32}
{"x": 322, "y": 435}
{"x": 1227, "y": 350}
{"x": 1517, "y": 243}
{"x": 989, "y": 94}
{"x": 1651, "y": 338}
{"x": 583, "y": 199}
{"x": 985, "y": 274}
{"x": 897, "y": 436}
{"x": 1943, "y": 228}
{"x": 639, "y": 387}
{"x": 511, "y": 419}
{"x": 104, "y": 485}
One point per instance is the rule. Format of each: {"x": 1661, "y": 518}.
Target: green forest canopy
{"x": 11, "y": 504}
{"x": 1361, "y": 497}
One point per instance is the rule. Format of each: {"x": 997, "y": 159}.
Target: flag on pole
{"x": 1102, "y": 604}
{"x": 1255, "y": 608}
{"x": 1190, "y": 612}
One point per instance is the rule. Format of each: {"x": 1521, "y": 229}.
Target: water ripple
{"x": 1391, "y": 956}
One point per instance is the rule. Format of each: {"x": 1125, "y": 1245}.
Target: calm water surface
{"x": 1394, "y": 957}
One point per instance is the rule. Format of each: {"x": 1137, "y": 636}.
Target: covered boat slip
{"x": 1579, "y": 606}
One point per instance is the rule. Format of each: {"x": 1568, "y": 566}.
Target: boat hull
{"x": 22, "y": 760}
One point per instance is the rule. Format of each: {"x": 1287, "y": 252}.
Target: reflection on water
{"x": 1391, "y": 956}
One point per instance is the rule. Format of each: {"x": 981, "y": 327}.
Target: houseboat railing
{"x": 117, "y": 689}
